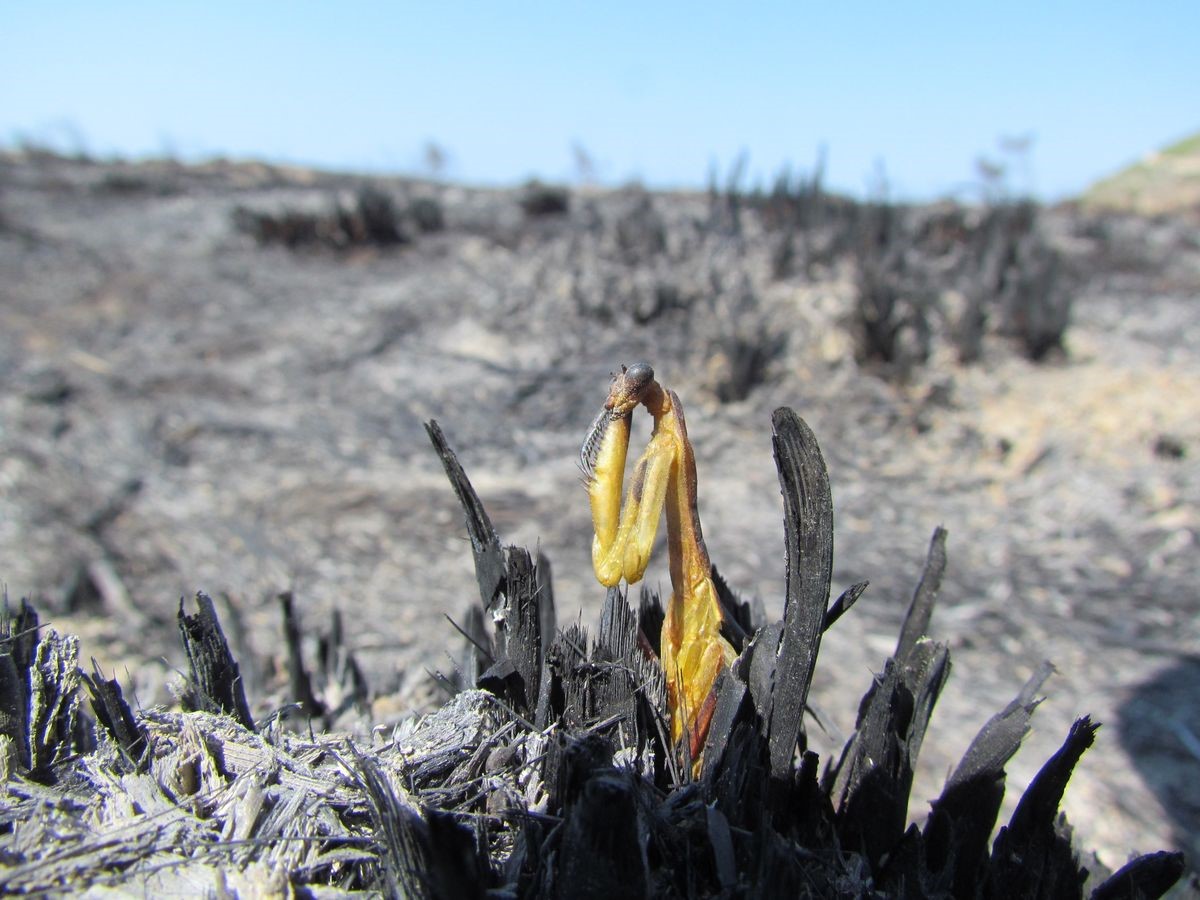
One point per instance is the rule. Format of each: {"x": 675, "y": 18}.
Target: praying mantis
{"x": 692, "y": 651}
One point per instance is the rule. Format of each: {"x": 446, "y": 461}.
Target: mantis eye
{"x": 638, "y": 376}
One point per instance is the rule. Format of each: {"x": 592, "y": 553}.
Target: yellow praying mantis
{"x": 692, "y": 650}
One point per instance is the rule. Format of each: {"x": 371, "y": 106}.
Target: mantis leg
{"x": 624, "y": 539}
{"x": 604, "y": 460}
{"x": 644, "y": 504}
{"x": 693, "y": 654}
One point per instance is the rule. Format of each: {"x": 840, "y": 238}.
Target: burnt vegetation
{"x": 538, "y": 199}
{"x": 372, "y": 219}
{"x": 546, "y": 773}
{"x": 956, "y": 275}
{"x": 710, "y": 280}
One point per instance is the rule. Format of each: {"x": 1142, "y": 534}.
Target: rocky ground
{"x": 188, "y": 403}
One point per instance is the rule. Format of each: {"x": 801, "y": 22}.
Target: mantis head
{"x": 632, "y": 386}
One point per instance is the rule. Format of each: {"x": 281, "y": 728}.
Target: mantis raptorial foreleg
{"x": 692, "y": 651}
{"x": 623, "y": 551}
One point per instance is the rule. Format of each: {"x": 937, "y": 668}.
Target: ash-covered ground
{"x": 214, "y": 378}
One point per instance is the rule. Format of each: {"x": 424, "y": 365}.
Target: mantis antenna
{"x": 692, "y": 651}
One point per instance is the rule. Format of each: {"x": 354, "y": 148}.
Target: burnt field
{"x": 215, "y": 378}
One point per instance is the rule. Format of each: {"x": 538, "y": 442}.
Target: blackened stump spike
{"x": 518, "y": 634}
{"x": 215, "y": 684}
{"x": 842, "y": 604}
{"x": 14, "y": 705}
{"x": 871, "y": 791}
{"x": 926, "y": 669}
{"x": 1002, "y": 734}
{"x": 613, "y": 638}
{"x": 1039, "y": 805}
{"x": 19, "y": 632}
{"x": 808, "y": 541}
{"x": 1032, "y": 855}
{"x": 547, "y": 616}
{"x": 731, "y": 696}
{"x": 920, "y": 610}
{"x": 962, "y": 818}
{"x": 18, "y": 643}
{"x": 485, "y": 543}
{"x": 1151, "y": 875}
{"x": 477, "y": 652}
{"x": 737, "y": 621}
{"x": 108, "y": 703}
{"x": 650, "y": 616}
{"x": 298, "y": 677}
{"x": 757, "y": 666}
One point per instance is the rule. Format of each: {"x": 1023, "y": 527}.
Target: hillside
{"x": 1165, "y": 181}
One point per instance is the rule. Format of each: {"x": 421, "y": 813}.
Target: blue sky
{"x": 656, "y": 92}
